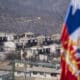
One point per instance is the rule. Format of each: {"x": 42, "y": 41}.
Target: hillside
{"x": 39, "y": 16}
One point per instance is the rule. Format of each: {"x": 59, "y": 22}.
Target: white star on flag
{"x": 76, "y": 5}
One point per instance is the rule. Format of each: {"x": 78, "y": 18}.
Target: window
{"x": 41, "y": 73}
{"x": 35, "y": 73}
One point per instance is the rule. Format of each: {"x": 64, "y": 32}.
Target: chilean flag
{"x": 70, "y": 42}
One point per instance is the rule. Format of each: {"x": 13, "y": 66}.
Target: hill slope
{"x": 39, "y": 16}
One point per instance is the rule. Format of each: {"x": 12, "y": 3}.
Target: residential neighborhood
{"x": 30, "y": 55}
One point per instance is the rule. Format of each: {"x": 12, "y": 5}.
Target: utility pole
{"x": 25, "y": 69}
{"x": 13, "y": 69}
{"x": 24, "y": 61}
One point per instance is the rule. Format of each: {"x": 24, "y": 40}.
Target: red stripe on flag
{"x": 64, "y": 36}
{"x": 66, "y": 73}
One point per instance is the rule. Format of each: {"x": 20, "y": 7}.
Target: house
{"x": 4, "y": 75}
{"x": 9, "y": 46}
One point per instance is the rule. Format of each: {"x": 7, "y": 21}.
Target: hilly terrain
{"x": 38, "y": 16}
